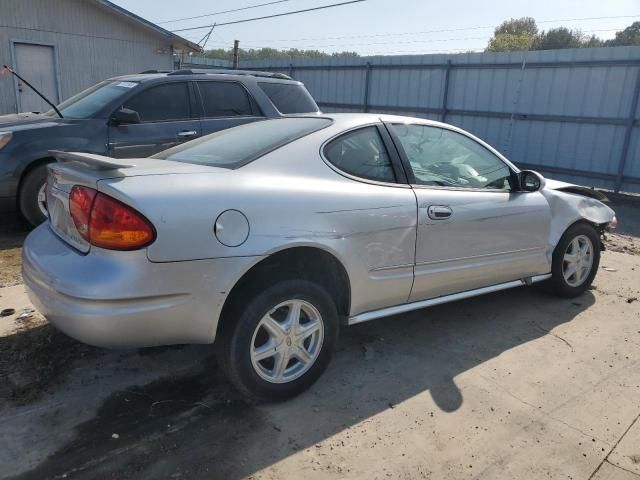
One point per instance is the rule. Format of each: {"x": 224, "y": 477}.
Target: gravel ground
{"x": 13, "y": 231}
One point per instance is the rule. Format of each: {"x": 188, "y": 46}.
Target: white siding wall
{"x": 91, "y": 43}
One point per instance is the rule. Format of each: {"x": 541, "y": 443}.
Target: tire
{"x": 250, "y": 329}
{"x": 581, "y": 236}
{"x": 28, "y": 202}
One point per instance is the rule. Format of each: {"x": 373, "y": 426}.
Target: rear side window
{"x": 224, "y": 99}
{"x": 162, "y": 103}
{"x": 361, "y": 153}
{"x": 289, "y": 97}
{"x": 238, "y": 146}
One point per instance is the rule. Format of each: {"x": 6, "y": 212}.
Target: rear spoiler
{"x": 91, "y": 160}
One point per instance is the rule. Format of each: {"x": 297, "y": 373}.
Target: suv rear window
{"x": 235, "y": 147}
{"x": 289, "y": 97}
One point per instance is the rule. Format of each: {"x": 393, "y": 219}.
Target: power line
{"x": 430, "y": 40}
{"x": 454, "y": 50}
{"x": 443, "y": 30}
{"x": 248, "y": 7}
{"x": 271, "y": 16}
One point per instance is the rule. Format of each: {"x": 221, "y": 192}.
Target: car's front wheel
{"x": 575, "y": 260}
{"x": 281, "y": 341}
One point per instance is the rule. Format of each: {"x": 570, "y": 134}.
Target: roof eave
{"x": 177, "y": 39}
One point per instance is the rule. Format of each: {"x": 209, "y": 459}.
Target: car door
{"x": 165, "y": 120}
{"x": 225, "y": 104}
{"x": 474, "y": 228}
{"x": 379, "y": 230}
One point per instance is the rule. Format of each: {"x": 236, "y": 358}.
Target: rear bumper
{"x": 121, "y": 299}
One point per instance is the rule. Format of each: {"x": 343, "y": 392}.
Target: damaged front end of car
{"x": 573, "y": 203}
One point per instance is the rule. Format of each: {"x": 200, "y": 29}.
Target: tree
{"x": 517, "y": 26}
{"x": 272, "y": 53}
{"x": 560, "y": 37}
{"x": 628, "y": 36}
{"x": 513, "y": 34}
{"x": 510, "y": 43}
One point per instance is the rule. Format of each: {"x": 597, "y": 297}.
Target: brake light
{"x": 80, "y": 203}
{"x": 108, "y": 223}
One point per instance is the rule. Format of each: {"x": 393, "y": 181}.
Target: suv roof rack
{"x": 154, "y": 71}
{"x": 255, "y": 73}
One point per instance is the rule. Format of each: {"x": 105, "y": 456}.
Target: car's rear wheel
{"x": 281, "y": 341}
{"x": 32, "y": 199}
{"x": 575, "y": 260}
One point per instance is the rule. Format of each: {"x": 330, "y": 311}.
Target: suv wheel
{"x": 575, "y": 261}
{"x": 32, "y": 199}
{"x": 282, "y": 340}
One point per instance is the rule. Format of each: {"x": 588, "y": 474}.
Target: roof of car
{"x": 204, "y": 73}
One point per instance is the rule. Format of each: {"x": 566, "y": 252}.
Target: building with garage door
{"x": 65, "y": 46}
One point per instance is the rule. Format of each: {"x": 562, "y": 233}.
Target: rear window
{"x": 240, "y": 145}
{"x": 289, "y": 97}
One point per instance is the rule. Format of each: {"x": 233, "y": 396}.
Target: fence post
{"x": 627, "y": 134}
{"x": 367, "y": 81}
{"x": 445, "y": 93}
{"x": 291, "y": 70}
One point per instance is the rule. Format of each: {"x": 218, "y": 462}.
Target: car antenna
{"x": 6, "y": 68}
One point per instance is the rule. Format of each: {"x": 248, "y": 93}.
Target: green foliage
{"x": 522, "y": 34}
{"x": 272, "y": 53}
{"x": 560, "y": 37}
{"x": 525, "y": 26}
{"x": 628, "y": 36}
{"x": 505, "y": 42}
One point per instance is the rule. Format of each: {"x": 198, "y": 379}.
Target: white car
{"x": 268, "y": 236}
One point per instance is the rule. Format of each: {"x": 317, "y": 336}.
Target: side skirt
{"x": 407, "y": 307}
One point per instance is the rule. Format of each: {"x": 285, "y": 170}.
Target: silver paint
{"x": 396, "y": 257}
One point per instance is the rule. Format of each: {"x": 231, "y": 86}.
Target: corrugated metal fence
{"x": 572, "y": 114}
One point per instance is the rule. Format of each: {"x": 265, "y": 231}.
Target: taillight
{"x": 108, "y": 223}
{"x": 80, "y": 203}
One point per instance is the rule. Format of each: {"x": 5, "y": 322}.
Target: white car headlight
{"x": 613, "y": 223}
{"x": 5, "y": 137}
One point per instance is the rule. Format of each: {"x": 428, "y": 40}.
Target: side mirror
{"x": 530, "y": 181}
{"x": 125, "y": 116}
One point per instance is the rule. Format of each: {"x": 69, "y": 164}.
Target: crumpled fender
{"x": 568, "y": 208}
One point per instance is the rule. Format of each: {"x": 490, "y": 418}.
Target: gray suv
{"x": 136, "y": 116}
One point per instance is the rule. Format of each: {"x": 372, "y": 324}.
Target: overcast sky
{"x": 382, "y": 26}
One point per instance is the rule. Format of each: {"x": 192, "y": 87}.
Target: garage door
{"x": 36, "y": 64}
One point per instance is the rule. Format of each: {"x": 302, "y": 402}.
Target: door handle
{"x": 187, "y": 134}
{"x": 439, "y": 212}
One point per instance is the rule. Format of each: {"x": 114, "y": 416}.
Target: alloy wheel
{"x": 42, "y": 199}
{"x": 577, "y": 261}
{"x": 287, "y": 341}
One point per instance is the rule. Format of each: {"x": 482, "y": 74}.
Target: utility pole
{"x": 236, "y": 45}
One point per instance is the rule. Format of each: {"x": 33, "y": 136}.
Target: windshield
{"x": 87, "y": 103}
{"x": 238, "y": 146}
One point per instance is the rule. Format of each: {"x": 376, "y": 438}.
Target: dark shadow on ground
{"x": 13, "y": 231}
{"x": 34, "y": 359}
{"x": 198, "y": 426}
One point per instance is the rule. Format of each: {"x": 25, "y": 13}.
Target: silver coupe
{"x": 268, "y": 236}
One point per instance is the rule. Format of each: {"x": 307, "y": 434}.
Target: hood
{"x": 590, "y": 192}
{"x": 17, "y": 121}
